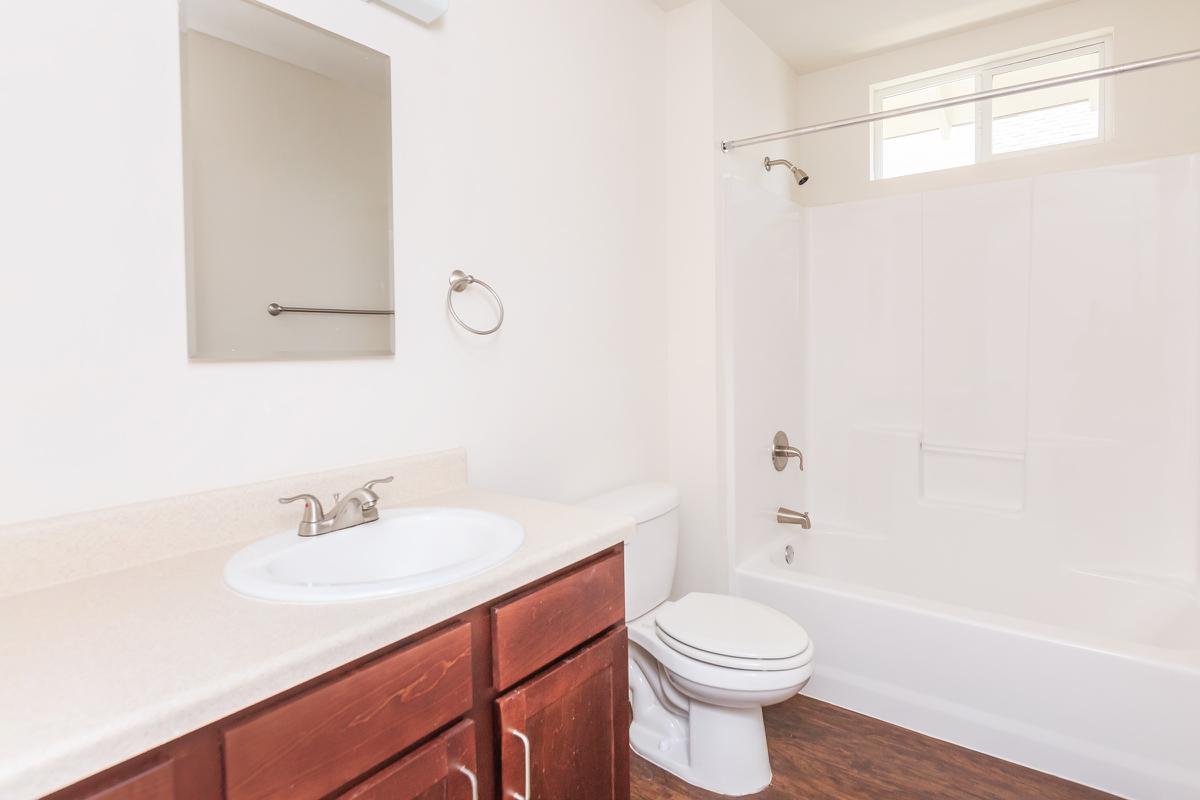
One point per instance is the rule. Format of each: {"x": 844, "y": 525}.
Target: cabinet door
{"x": 444, "y": 769}
{"x": 565, "y": 733}
{"x": 188, "y": 768}
{"x": 153, "y": 783}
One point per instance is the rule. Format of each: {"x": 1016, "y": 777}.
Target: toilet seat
{"x": 645, "y": 633}
{"x": 732, "y": 632}
{"x": 733, "y": 662}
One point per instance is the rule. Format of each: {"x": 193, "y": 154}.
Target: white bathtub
{"x": 1092, "y": 677}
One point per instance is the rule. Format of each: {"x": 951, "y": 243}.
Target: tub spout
{"x": 789, "y": 517}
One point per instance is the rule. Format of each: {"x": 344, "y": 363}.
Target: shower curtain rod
{"x": 1046, "y": 83}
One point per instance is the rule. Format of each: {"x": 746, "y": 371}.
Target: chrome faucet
{"x": 789, "y": 517}
{"x": 359, "y": 506}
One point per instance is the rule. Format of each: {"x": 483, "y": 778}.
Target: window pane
{"x": 930, "y": 140}
{"x": 1048, "y": 116}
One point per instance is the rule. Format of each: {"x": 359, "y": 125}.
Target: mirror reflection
{"x": 287, "y": 153}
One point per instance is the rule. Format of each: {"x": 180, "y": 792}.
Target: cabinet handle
{"x": 471, "y": 777}
{"x": 524, "y": 741}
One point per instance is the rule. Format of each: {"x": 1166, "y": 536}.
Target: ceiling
{"x": 814, "y": 34}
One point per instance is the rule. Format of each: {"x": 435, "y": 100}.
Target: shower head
{"x": 800, "y": 175}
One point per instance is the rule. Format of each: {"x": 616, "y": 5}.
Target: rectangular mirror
{"x": 287, "y": 175}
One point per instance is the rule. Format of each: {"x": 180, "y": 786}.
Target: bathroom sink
{"x": 406, "y": 550}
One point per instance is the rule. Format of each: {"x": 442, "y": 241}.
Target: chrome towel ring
{"x": 459, "y": 281}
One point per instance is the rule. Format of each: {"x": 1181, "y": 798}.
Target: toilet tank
{"x": 651, "y": 549}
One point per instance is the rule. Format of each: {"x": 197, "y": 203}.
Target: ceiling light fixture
{"x": 425, "y": 10}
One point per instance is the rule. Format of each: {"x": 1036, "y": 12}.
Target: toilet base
{"x": 723, "y": 750}
{"x": 727, "y": 756}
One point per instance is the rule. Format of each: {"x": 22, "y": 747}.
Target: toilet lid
{"x": 731, "y": 626}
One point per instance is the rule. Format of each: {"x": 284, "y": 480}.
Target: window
{"x": 977, "y": 132}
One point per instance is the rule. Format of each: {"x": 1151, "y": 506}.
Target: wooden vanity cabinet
{"x": 445, "y": 769}
{"x": 564, "y": 733}
{"x": 432, "y": 716}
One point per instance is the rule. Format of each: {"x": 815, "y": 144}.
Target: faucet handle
{"x": 312, "y": 507}
{"x": 369, "y": 488}
{"x": 781, "y": 451}
{"x": 369, "y": 484}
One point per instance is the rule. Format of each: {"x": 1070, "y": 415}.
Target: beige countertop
{"x": 104, "y": 667}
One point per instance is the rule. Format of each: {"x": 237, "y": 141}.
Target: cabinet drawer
{"x": 531, "y": 630}
{"x": 156, "y": 782}
{"x": 436, "y": 767}
{"x": 310, "y": 745}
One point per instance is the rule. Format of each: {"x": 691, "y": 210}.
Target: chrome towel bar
{"x": 459, "y": 281}
{"x": 275, "y": 310}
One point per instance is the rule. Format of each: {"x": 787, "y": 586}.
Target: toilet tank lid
{"x": 642, "y": 501}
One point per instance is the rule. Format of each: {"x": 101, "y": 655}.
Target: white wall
{"x": 760, "y": 243}
{"x": 755, "y": 92}
{"x": 719, "y": 76}
{"x": 527, "y": 150}
{"x": 694, "y": 432}
{"x": 1156, "y": 114}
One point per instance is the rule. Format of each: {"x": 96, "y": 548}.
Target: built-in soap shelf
{"x": 962, "y": 476}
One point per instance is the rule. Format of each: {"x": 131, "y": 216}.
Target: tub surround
{"x": 1004, "y": 550}
{"x": 105, "y": 660}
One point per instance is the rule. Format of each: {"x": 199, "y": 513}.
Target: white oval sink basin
{"x": 406, "y": 550}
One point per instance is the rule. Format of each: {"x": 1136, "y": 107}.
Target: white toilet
{"x": 702, "y": 667}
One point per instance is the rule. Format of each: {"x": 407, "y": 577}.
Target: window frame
{"x": 984, "y": 72}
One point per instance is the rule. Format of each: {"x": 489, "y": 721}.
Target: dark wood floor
{"x": 822, "y": 752}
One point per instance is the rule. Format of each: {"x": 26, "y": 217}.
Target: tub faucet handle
{"x": 781, "y": 451}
